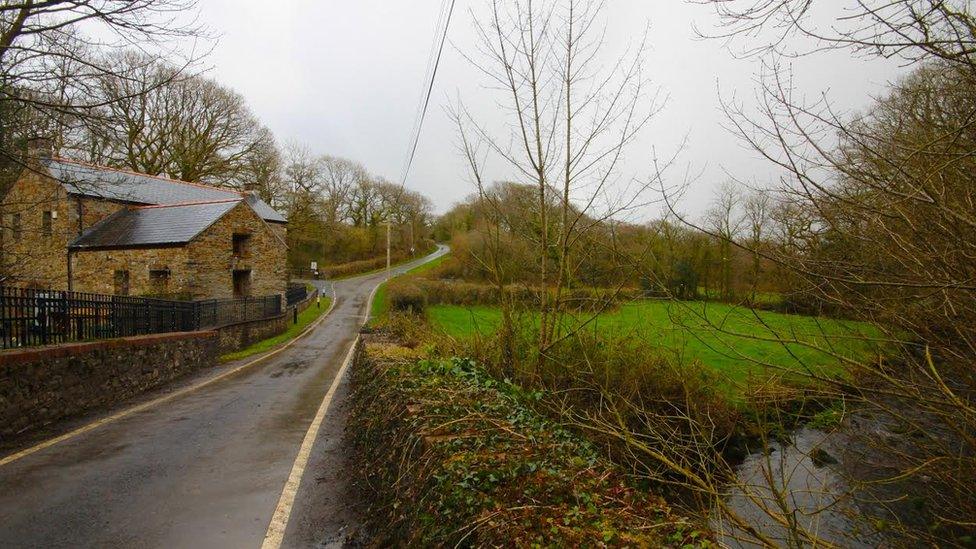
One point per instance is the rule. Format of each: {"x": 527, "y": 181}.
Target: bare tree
{"x": 339, "y": 178}
{"x": 874, "y": 221}
{"x": 913, "y": 30}
{"x": 185, "y": 126}
{"x": 757, "y": 213}
{"x": 570, "y": 122}
{"x": 50, "y": 67}
{"x": 262, "y": 171}
{"x": 54, "y": 54}
{"x": 726, "y": 220}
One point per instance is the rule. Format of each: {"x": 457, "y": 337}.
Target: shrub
{"x": 456, "y": 292}
{"x": 450, "y": 268}
{"x": 683, "y": 284}
{"x": 453, "y": 456}
{"x": 406, "y": 297}
{"x": 366, "y": 265}
{"x": 617, "y": 391}
{"x": 362, "y": 266}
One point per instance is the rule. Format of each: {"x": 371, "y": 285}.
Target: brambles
{"x": 456, "y": 456}
{"x": 457, "y": 292}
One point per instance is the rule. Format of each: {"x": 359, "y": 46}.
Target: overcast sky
{"x": 344, "y": 77}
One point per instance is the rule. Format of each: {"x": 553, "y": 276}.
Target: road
{"x": 208, "y": 467}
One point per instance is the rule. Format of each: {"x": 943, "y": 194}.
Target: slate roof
{"x": 111, "y": 184}
{"x": 153, "y": 225}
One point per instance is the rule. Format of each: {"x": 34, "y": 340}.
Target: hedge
{"x": 415, "y": 293}
{"x": 451, "y": 456}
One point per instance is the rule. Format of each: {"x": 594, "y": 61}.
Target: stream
{"x": 801, "y": 479}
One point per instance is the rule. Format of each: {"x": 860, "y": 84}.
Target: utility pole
{"x": 389, "y": 229}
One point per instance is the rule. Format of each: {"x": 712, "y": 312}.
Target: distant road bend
{"x": 231, "y": 463}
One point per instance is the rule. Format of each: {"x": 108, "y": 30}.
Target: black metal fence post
{"x": 39, "y": 317}
{"x": 42, "y": 321}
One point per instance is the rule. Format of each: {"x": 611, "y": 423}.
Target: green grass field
{"x": 380, "y": 305}
{"x": 739, "y": 343}
{"x": 304, "y": 319}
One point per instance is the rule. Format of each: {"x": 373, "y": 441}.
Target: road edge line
{"x": 165, "y": 398}
{"x": 275, "y": 534}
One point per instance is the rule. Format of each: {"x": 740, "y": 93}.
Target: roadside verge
{"x": 305, "y": 318}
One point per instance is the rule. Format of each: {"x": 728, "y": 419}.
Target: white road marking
{"x": 279, "y": 521}
{"x": 275, "y": 535}
{"x": 146, "y": 405}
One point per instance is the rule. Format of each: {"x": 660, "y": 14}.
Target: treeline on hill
{"x": 130, "y": 109}
{"x": 662, "y": 258}
{"x": 338, "y": 215}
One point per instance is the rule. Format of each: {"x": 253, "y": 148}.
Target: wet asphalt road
{"x": 205, "y": 469}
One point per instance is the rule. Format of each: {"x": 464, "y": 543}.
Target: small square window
{"x": 47, "y": 223}
{"x": 241, "y": 243}
{"x": 159, "y": 281}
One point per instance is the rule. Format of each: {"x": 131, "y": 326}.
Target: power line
{"x": 429, "y": 78}
{"x": 431, "y": 59}
{"x": 418, "y": 127}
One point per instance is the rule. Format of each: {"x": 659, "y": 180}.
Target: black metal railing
{"x": 30, "y": 317}
{"x": 296, "y": 293}
{"x": 213, "y": 313}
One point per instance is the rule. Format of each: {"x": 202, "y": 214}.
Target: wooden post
{"x": 389, "y": 230}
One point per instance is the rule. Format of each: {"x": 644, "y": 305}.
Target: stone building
{"x": 70, "y": 225}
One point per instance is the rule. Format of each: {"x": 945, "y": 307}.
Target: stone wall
{"x": 212, "y": 255}
{"x": 238, "y": 336}
{"x": 280, "y": 230}
{"x": 36, "y": 259}
{"x": 92, "y": 211}
{"x": 202, "y": 269}
{"x": 94, "y": 271}
{"x": 309, "y": 301}
{"x": 44, "y": 385}
{"x": 40, "y": 386}
{"x": 30, "y": 257}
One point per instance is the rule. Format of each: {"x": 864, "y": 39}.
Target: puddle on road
{"x": 290, "y": 368}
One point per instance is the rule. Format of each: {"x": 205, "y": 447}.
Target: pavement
{"x": 208, "y": 467}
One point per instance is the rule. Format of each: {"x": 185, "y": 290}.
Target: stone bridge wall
{"x": 43, "y": 385}
{"x": 238, "y": 336}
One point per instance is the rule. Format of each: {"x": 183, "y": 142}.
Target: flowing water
{"x": 801, "y": 480}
